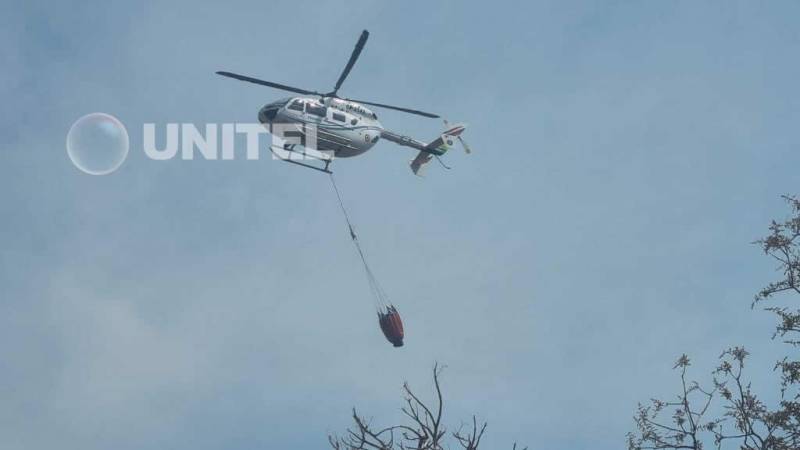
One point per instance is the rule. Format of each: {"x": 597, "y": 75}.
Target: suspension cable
{"x": 377, "y": 291}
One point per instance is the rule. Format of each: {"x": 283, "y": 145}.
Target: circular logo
{"x": 97, "y": 143}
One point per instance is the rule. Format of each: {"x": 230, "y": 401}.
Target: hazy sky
{"x": 625, "y": 156}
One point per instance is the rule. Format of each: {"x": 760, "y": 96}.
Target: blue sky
{"x": 626, "y": 155}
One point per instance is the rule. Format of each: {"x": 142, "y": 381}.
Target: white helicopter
{"x": 331, "y": 126}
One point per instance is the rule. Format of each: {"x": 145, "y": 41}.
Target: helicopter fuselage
{"x": 339, "y": 126}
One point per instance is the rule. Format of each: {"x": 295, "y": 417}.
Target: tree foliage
{"x": 741, "y": 420}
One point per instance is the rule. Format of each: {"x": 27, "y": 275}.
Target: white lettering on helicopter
{"x": 352, "y": 108}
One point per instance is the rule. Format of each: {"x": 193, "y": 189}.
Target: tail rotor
{"x": 464, "y": 145}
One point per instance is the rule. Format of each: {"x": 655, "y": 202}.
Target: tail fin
{"x": 437, "y": 147}
{"x": 418, "y": 163}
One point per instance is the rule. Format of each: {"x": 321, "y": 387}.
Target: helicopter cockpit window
{"x": 316, "y": 109}
{"x": 296, "y": 105}
{"x": 339, "y": 117}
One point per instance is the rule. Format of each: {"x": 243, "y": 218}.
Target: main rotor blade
{"x": 396, "y": 108}
{"x": 267, "y": 83}
{"x": 353, "y": 57}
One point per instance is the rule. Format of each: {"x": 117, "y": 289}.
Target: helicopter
{"x": 329, "y": 126}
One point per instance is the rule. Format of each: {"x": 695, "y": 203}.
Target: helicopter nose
{"x": 267, "y": 115}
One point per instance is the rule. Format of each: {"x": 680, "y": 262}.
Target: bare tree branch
{"x": 424, "y": 430}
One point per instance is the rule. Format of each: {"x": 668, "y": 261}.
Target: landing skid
{"x": 290, "y": 153}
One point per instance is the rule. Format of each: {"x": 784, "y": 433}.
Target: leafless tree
{"x": 742, "y": 419}
{"x": 423, "y": 431}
